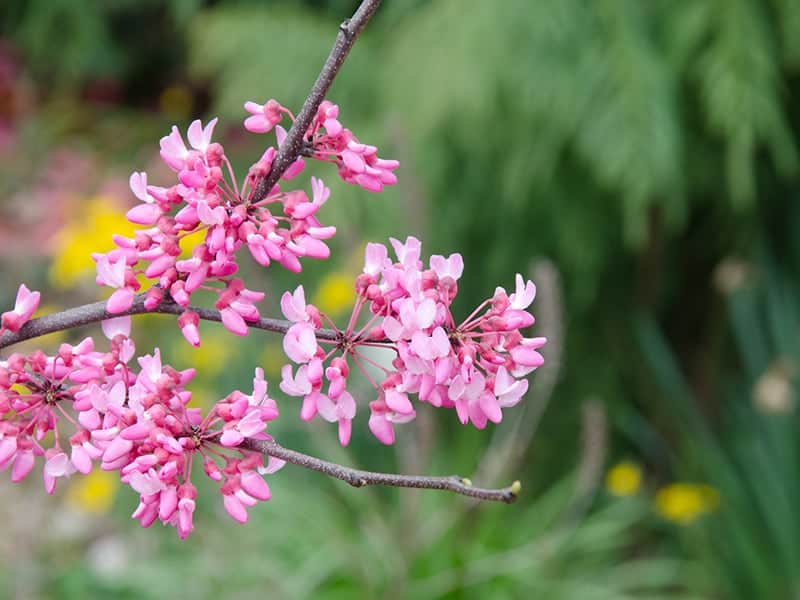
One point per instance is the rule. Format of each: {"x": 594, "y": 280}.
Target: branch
{"x": 359, "y": 478}
{"x": 288, "y": 152}
{"x": 96, "y": 312}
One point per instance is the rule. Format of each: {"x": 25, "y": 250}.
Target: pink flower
{"x": 341, "y": 410}
{"x": 452, "y": 266}
{"x": 188, "y": 322}
{"x": 148, "y": 212}
{"x": 524, "y": 294}
{"x": 173, "y": 150}
{"x": 115, "y": 275}
{"x": 199, "y": 136}
{"x": 300, "y": 342}
{"x": 26, "y": 304}
{"x": 293, "y": 305}
{"x": 509, "y": 390}
{"x": 297, "y": 385}
{"x": 264, "y": 116}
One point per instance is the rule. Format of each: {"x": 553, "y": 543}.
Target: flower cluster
{"x": 82, "y": 407}
{"x": 139, "y": 424}
{"x": 327, "y": 140}
{"x": 477, "y": 366}
{"x": 281, "y": 227}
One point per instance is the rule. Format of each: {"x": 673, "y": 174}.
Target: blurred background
{"x": 638, "y": 160}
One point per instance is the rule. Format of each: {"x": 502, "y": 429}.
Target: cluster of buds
{"x": 327, "y": 140}
{"x": 477, "y": 366}
{"x": 137, "y": 423}
{"x": 82, "y": 407}
{"x": 282, "y": 227}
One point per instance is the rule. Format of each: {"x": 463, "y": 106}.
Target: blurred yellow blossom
{"x": 89, "y": 230}
{"x": 683, "y": 502}
{"x": 624, "y": 479}
{"x": 336, "y": 293}
{"x": 93, "y": 493}
{"x": 212, "y": 356}
{"x": 190, "y": 241}
{"x": 272, "y": 359}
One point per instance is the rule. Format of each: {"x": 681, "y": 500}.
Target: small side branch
{"x": 96, "y": 312}
{"x": 293, "y": 144}
{"x": 359, "y": 478}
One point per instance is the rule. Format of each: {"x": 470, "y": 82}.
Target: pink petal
{"x": 254, "y": 485}
{"x": 345, "y": 429}
{"x": 398, "y": 402}
{"x": 491, "y": 408}
{"x": 230, "y": 438}
{"x": 235, "y": 508}
{"x": 23, "y": 464}
{"x": 117, "y": 449}
{"x": 8, "y": 447}
{"x": 381, "y": 429}
{"x": 81, "y": 460}
{"x": 116, "y": 326}
{"x": 144, "y": 214}
{"x": 168, "y": 503}
{"x": 233, "y": 321}
{"x": 120, "y": 301}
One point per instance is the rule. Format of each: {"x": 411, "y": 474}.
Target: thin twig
{"x": 288, "y": 152}
{"x": 96, "y": 312}
{"x": 359, "y": 478}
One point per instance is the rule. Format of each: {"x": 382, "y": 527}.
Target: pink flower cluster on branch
{"x": 137, "y": 423}
{"x": 207, "y": 201}
{"x": 476, "y": 367}
{"x": 81, "y": 408}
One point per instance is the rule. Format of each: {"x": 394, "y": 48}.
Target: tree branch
{"x": 288, "y": 152}
{"x": 96, "y": 312}
{"x": 359, "y": 478}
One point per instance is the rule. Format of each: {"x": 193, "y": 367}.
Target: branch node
{"x": 516, "y": 488}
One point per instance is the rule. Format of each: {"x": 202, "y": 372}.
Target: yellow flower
{"x": 213, "y": 354}
{"x": 336, "y": 292}
{"x": 272, "y": 359}
{"x": 89, "y": 231}
{"x": 682, "y": 503}
{"x": 93, "y": 493}
{"x": 624, "y": 479}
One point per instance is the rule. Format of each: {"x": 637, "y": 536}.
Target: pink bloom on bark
{"x": 114, "y": 275}
{"x": 25, "y": 305}
{"x": 148, "y": 212}
{"x": 341, "y": 410}
{"x": 263, "y": 116}
{"x": 173, "y": 150}
{"x": 188, "y": 322}
{"x": 199, "y": 136}
{"x": 300, "y": 342}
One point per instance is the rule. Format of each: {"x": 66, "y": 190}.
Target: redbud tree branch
{"x": 288, "y": 152}
{"x": 286, "y": 155}
{"x": 359, "y": 478}
{"x": 96, "y": 312}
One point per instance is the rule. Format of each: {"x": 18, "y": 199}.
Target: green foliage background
{"x": 644, "y": 149}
